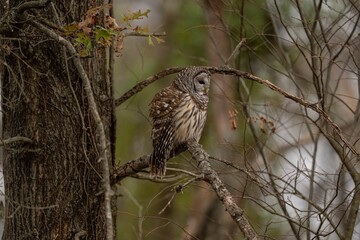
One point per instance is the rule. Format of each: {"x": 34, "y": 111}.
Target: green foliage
{"x": 83, "y": 43}
{"x": 104, "y": 36}
{"x": 91, "y": 32}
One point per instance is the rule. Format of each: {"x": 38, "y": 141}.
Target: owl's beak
{"x": 207, "y": 90}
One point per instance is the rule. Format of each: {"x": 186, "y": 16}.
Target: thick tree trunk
{"x": 54, "y": 186}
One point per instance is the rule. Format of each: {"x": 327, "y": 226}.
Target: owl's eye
{"x": 201, "y": 81}
{"x": 202, "y": 78}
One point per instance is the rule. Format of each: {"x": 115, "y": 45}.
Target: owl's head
{"x": 194, "y": 80}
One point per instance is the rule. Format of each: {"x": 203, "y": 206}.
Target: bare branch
{"x": 353, "y": 213}
{"x": 140, "y": 86}
{"x": 165, "y": 179}
{"x": 132, "y": 168}
{"x": 32, "y": 4}
{"x": 223, "y": 194}
{"x": 17, "y": 13}
{"x": 235, "y": 52}
{"x": 129, "y": 169}
{"x": 137, "y": 34}
{"x": 79, "y": 234}
{"x": 179, "y": 188}
{"x": 14, "y": 140}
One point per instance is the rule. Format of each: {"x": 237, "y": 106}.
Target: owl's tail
{"x": 157, "y": 166}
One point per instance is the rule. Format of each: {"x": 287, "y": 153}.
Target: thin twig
{"x": 140, "y": 212}
{"x": 14, "y": 140}
{"x": 79, "y": 234}
{"x": 133, "y": 167}
{"x": 182, "y": 171}
{"x": 137, "y": 34}
{"x": 180, "y": 188}
{"x": 165, "y": 179}
{"x": 235, "y": 52}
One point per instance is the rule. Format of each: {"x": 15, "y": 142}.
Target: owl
{"x": 178, "y": 114}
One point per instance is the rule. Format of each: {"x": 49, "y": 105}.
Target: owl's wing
{"x": 164, "y": 103}
{"x": 162, "y": 111}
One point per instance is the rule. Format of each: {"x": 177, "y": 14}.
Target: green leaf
{"x": 83, "y": 41}
{"x": 104, "y": 36}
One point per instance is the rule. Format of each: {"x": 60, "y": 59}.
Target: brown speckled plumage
{"x": 178, "y": 113}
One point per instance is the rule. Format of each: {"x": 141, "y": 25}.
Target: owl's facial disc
{"x": 202, "y": 83}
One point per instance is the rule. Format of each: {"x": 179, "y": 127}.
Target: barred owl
{"x": 178, "y": 114}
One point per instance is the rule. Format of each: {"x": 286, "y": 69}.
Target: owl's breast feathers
{"x": 176, "y": 111}
{"x": 188, "y": 120}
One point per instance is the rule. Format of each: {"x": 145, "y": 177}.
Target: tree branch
{"x": 30, "y": 5}
{"x": 16, "y": 15}
{"x": 129, "y": 169}
{"x": 141, "y": 85}
{"x": 137, "y": 34}
{"x": 211, "y": 176}
{"x": 14, "y": 140}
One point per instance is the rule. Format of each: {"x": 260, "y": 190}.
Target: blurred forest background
{"x": 285, "y": 167}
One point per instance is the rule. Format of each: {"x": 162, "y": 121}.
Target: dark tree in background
{"x": 53, "y": 179}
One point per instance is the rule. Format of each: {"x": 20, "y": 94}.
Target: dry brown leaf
{"x": 232, "y": 117}
{"x": 119, "y": 45}
{"x": 111, "y": 23}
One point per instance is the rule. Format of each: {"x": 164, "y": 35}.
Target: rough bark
{"x": 53, "y": 185}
